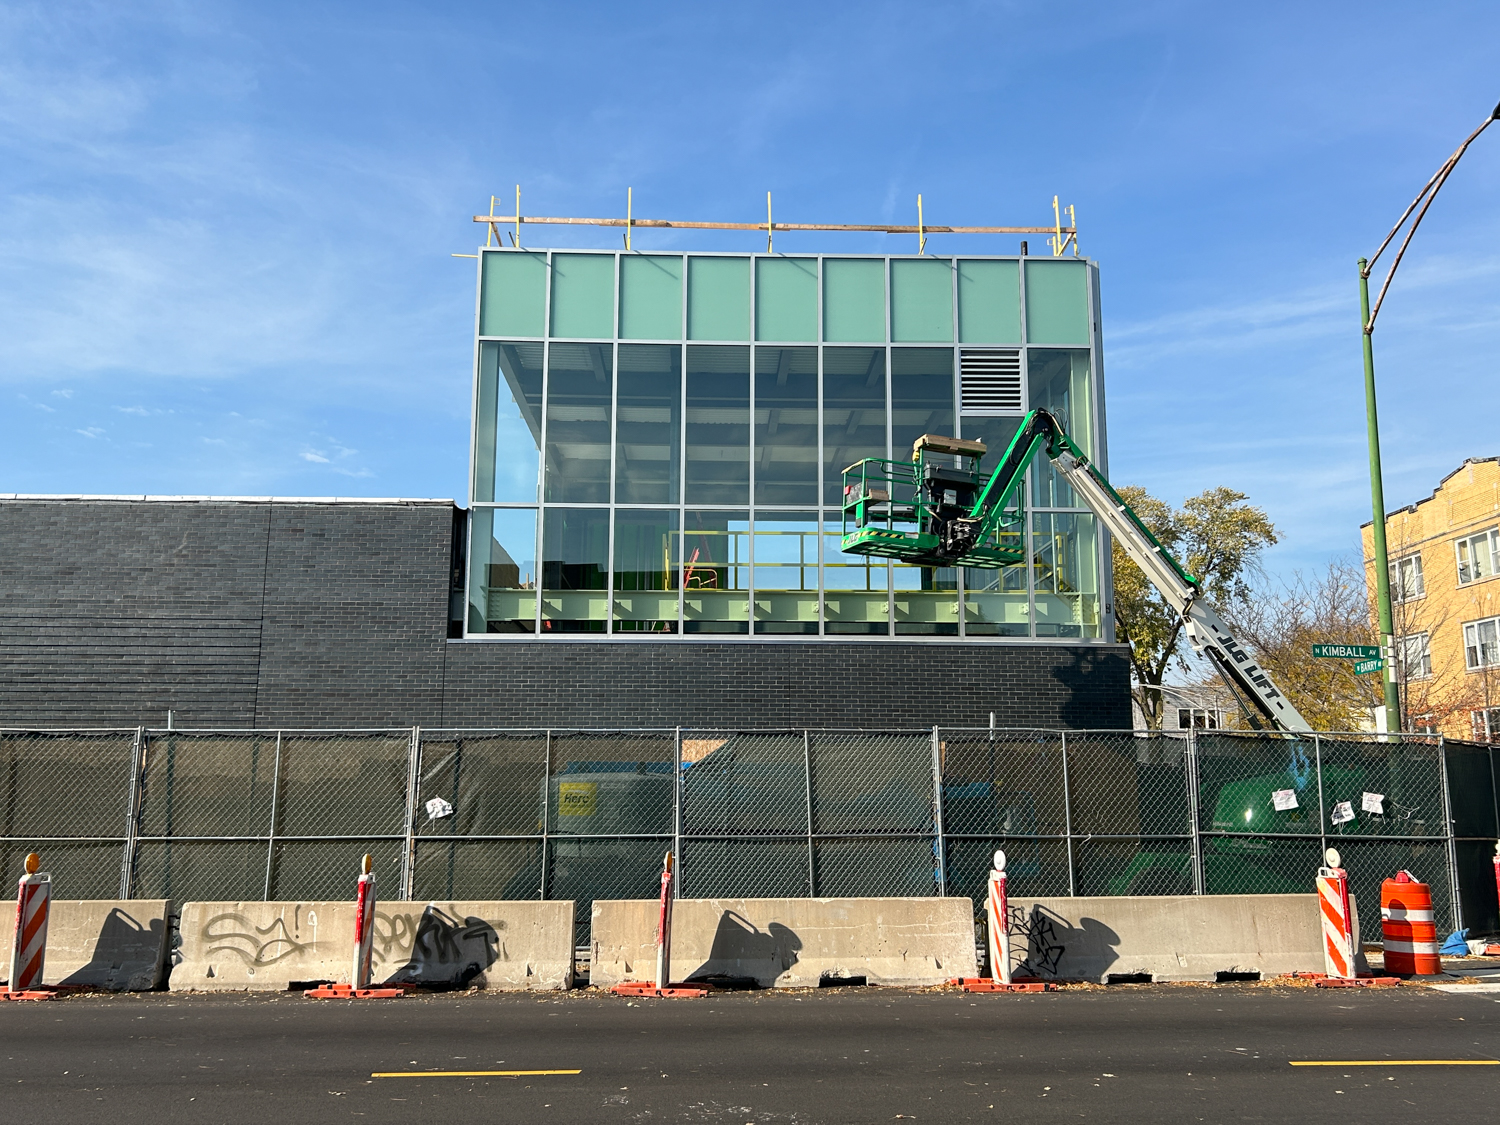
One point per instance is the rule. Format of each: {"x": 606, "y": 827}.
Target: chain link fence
{"x": 563, "y": 814}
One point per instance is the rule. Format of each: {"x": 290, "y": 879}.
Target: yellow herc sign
{"x": 577, "y": 798}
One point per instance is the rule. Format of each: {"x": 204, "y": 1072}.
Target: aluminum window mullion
{"x": 541, "y": 488}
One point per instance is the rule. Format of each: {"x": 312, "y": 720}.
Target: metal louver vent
{"x": 991, "y": 379}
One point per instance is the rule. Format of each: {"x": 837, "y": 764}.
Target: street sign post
{"x": 1346, "y": 652}
{"x": 1373, "y": 665}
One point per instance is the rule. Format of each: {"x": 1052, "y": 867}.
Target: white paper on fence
{"x": 1373, "y": 803}
{"x": 437, "y": 808}
{"x": 1343, "y": 812}
{"x": 1284, "y": 799}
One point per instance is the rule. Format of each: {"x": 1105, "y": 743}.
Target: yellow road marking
{"x": 1406, "y": 1062}
{"x": 466, "y": 1073}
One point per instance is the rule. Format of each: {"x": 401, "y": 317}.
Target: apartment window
{"x": 1476, "y": 556}
{"x": 1415, "y": 656}
{"x": 1406, "y": 579}
{"x": 1423, "y": 724}
{"x": 1486, "y": 724}
{"x": 1482, "y": 643}
{"x": 1199, "y": 718}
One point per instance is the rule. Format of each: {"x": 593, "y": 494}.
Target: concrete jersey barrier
{"x": 789, "y": 942}
{"x": 1168, "y": 937}
{"x": 118, "y": 945}
{"x": 270, "y": 945}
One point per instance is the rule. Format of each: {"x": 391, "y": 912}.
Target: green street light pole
{"x": 1377, "y": 504}
{"x": 1372, "y": 420}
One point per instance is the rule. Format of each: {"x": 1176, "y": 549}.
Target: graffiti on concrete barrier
{"x": 444, "y": 948}
{"x": 1038, "y": 933}
{"x": 429, "y": 945}
{"x": 256, "y": 946}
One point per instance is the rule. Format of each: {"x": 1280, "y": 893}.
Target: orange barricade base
{"x": 988, "y": 984}
{"x": 648, "y": 988}
{"x": 29, "y": 994}
{"x": 349, "y": 992}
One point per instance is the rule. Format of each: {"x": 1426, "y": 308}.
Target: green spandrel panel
{"x": 1057, "y": 302}
{"x": 922, "y": 300}
{"x": 989, "y": 302}
{"x": 854, "y": 300}
{"x": 650, "y": 297}
{"x": 786, "y": 299}
{"x": 513, "y": 295}
{"x": 718, "y": 298}
{"x": 583, "y": 292}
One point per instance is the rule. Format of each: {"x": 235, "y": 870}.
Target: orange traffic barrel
{"x": 1411, "y": 945}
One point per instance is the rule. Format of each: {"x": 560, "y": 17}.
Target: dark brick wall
{"x": 254, "y": 613}
{"x": 829, "y": 684}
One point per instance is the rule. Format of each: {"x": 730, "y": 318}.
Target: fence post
{"x": 677, "y": 806}
{"x": 275, "y": 812}
{"x": 812, "y": 880}
{"x": 1068, "y": 816}
{"x": 546, "y": 809}
{"x": 1322, "y": 812}
{"x": 1199, "y": 881}
{"x": 940, "y": 844}
{"x": 132, "y": 811}
{"x": 1457, "y": 912}
{"x": 409, "y": 830}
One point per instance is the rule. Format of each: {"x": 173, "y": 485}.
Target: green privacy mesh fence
{"x": 585, "y": 815}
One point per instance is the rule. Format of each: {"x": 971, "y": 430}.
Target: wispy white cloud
{"x": 314, "y": 456}
{"x": 91, "y": 432}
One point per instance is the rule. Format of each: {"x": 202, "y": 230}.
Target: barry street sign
{"x": 1363, "y": 666}
{"x": 1346, "y": 652}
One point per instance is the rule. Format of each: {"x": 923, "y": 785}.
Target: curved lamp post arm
{"x": 1427, "y": 194}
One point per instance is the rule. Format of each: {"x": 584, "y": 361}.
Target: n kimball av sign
{"x": 1346, "y": 652}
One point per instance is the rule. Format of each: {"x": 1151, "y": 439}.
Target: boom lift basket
{"x": 922, "y": 510}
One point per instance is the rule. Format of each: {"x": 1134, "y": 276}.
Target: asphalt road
{"x": 1129, "y": 1053}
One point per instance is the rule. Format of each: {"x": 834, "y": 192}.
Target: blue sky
{"x": 225, "y": 229}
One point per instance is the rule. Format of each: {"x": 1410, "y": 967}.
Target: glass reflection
{"x": 853, "y": 413}
{"x": 645, "y": 579}
{"x": 575, "y": 566}
{"x": 1066, "y": 559}
{"x": 921, "y": 396}
{"x": 578, "y": 397}
{"x": 1059, "y": 383}
{"x": 716, "y": 572}
{"x": 786, "y": 573}
{"x": 648, "y": 424}
{"x": 508, "y": 422}
{"x": 856, "y": 590}
{"x": 786, "y": 425}
{"x": 502, "y": 571}
{"x": 718, "y": 425}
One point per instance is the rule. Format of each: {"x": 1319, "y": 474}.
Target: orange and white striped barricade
{"x": 1408, "y": 930}
{"x": 1338, "y": 929}
{"x": 997, "y": 915}
{"x": 662, "y": 985}
{"x": 664, "y": 925}
{"x": 28, "y": 954}
{"x": 1339, "y": 952}
{"x": 364, "y": 948}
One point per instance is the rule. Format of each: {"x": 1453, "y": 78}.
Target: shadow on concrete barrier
{"x": 116, "y": 945}
{"x": 789, "y": 943}
{"x": 1165, "y": 937}
{"x": 263, "y": 946}
{"x": 454, "y": 951}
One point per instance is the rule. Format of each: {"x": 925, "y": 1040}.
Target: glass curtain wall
{"x": 659, "y": 442}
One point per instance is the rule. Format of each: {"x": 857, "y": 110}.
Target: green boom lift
{"x": 939, "y": 509}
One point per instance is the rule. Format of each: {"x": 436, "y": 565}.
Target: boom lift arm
{"x": 963, "y": 519}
